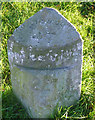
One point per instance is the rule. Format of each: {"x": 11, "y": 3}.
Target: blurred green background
{"x": 81, "y": 15}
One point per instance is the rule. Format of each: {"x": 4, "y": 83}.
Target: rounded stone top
{"x": 46, "y": 28}
{"x": 46, "y": 40}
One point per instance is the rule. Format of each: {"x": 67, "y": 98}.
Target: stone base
{"x": 40, "y": 91}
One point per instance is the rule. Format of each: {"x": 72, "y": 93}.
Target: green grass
{"x": 81, "y": 15}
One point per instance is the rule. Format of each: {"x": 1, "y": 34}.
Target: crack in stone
{"x": 31, "y": 68}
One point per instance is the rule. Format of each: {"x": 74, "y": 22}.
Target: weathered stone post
{"x": 45, "y": 56}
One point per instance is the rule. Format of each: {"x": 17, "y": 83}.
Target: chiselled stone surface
{"x": 45, "y": 56}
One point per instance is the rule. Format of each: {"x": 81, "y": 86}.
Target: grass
{"x": 81, "y": 15}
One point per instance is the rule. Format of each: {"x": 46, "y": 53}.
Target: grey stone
{"x": 45, "y": 56}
